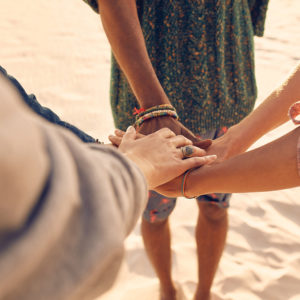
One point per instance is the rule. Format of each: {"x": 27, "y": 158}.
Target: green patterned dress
{"x": 203, "y": 54}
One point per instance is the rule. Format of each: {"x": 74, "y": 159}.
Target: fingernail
{"x": 130, "y": 129}
{"x": 211, "y": 158}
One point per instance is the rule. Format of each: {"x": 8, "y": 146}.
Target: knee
{"x": 212, "y": 212}
{"x": 156, "y": 228}
{"x": 157, "y": 223}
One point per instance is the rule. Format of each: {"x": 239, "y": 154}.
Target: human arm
{"x": 270, "y": 167}
{"x": 270, "y": 114}
{"x": 159, "y": 155}
{"x": 70, "y": 204}
{"x": 66, "y": 208}
{"x": 122, "y": 26}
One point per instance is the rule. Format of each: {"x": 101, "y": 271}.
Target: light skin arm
{"x": 269, "y": 115}
{"x": 270, "y": 167}
{"x": 121, "y": 24}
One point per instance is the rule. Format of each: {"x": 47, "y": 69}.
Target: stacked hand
{"x": 224, "y": 148}
{"x": 160, "y": 155}
{"x": 155, "y": 124}
{"x": 227, "y": 145}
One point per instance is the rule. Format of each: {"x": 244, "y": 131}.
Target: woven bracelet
{"x": 155, "y": 114}
{"x": 154, "y": 108}
{"x": 185, "y": 175}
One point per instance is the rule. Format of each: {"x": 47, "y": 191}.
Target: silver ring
{"x": 187, "y": 151}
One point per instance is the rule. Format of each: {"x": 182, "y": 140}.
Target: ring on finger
{"x": 187, "y": 151}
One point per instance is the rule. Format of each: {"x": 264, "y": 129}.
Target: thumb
{"x": 203, "y": 144}
{"x": 130, "y": 134}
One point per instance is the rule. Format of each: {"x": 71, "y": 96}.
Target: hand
{"x": 117, "y": 138}
{"x": 226, "y": 146}
{"x": 152, "y": 125}
{"x": 159, "y": 155}
{"x": 172, "y": 188}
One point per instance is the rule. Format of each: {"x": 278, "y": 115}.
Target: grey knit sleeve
{"x": 66, "y": 208}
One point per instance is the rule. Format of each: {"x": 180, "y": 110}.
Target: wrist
{"x": 142, "y": 164}
{"x": 156, "y": 111}
{"x": 151, "y": 95}
{"x": 200, "y": 181}
{"x": 154, "y": 101}
{"x": 237, "y": 140}
{"x": 186, "y": 188}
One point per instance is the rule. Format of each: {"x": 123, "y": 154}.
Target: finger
{"x": 130, "y": 134}
{"x": 180, "y": 141}
{"x": 115, "y": 140}
{"x": 204, "y": 144}
{"x": 195, "y": 162}
{"x": 165, "y": 132}
{"x": 119, "y": 133}
{"x": 191, "y": 151}
{"x": 188, "y": 134}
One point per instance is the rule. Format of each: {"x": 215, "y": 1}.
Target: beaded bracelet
{"x": 141, "y": 112}
{"x": 185, "y": 175}
{"x": 155, "y": 114}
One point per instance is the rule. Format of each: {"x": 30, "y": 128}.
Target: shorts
{"x": 160, "y": 207}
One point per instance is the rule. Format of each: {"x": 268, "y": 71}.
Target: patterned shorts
{"x": 160, "y": 207}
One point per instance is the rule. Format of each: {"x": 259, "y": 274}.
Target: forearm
{"x": 272, "y": 113}
{"x": 122, "y": 26}
{"x": 270, "y": 167}
{"x": 85, "y": 200}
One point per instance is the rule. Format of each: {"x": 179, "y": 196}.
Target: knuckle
{"x": 166, "y": 130}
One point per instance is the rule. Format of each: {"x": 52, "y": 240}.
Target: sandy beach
{"x": 58, "y": 50}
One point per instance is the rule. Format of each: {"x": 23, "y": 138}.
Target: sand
{"x": 58, "y": 50}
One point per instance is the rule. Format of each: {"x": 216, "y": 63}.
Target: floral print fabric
{"x": 202, "y": 52}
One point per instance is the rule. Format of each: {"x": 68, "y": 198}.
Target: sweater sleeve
{"x": 68, "y": 207}
{"x": 258, "y": 9}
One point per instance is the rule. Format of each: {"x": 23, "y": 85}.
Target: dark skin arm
{"x": 121, "y": 24}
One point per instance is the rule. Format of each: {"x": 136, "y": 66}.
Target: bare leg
{"x": 157, "y": 241}
{"x": 211, "y": 234}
